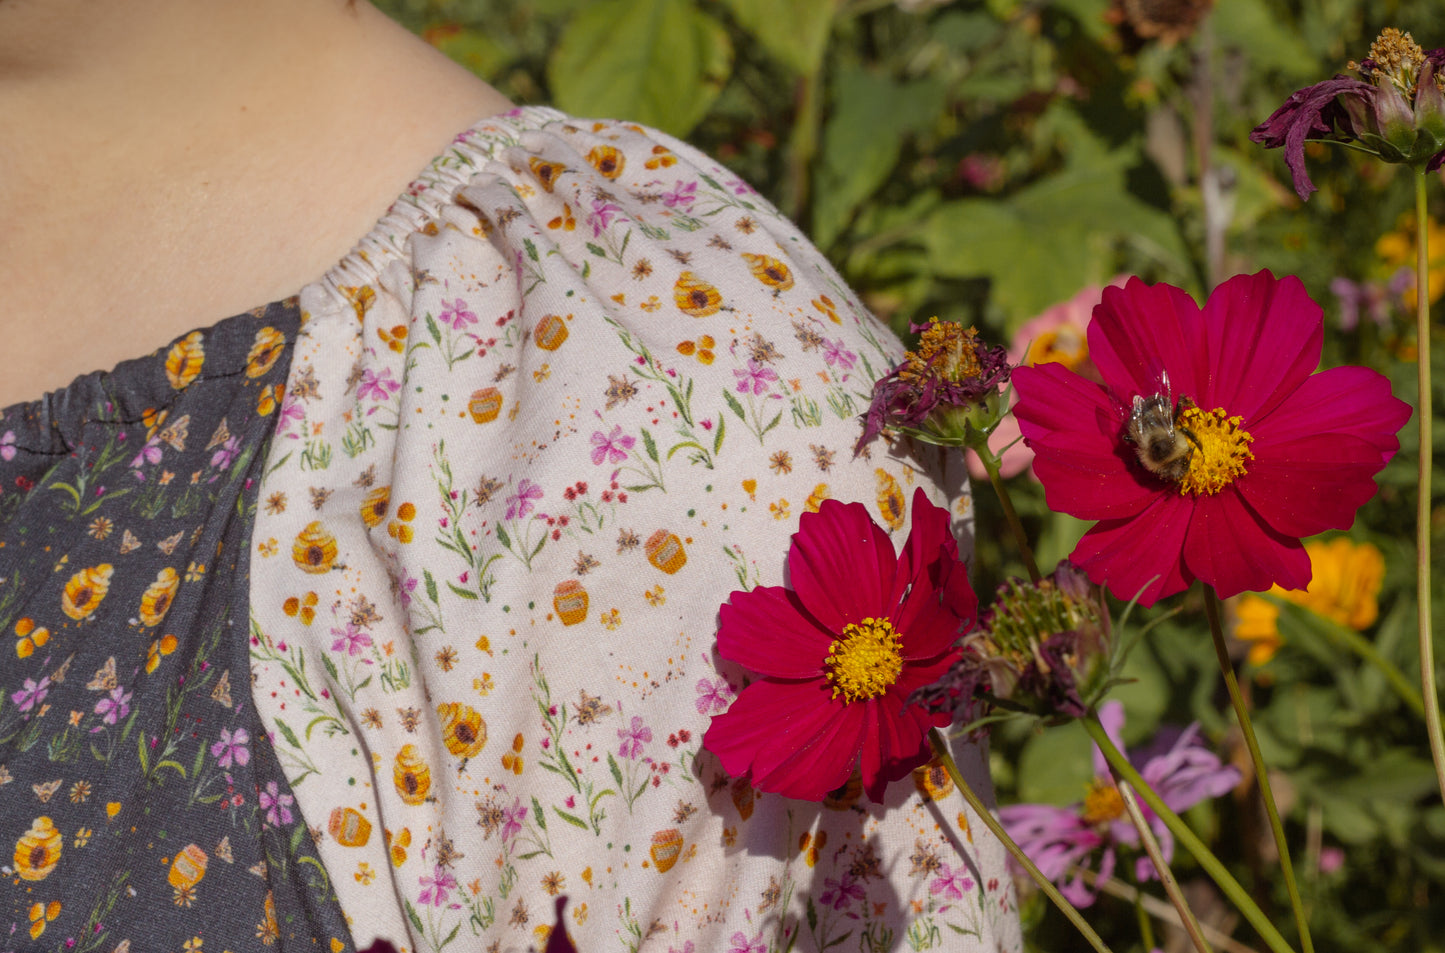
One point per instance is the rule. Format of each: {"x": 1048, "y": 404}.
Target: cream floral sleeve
{"x": 575, "y": 390}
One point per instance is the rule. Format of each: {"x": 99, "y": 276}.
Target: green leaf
{"x": 793, "y": 31}
{"x": 1056, "y": 766}
{"x": 649, "y": 445}
{"x": 572, "y": 819}
{"x": 289, "y": 735}
{"x": 431, "y": 585}
{"x": 475, "y": 49}
{"x": 464, "y": 593}
{"x": 660, "y": 62}
{"x": 1267, "y": 42}
{"x": 871, "y": 115}
{"x": 415, "y": 920}
{"x": 733, "y": 403}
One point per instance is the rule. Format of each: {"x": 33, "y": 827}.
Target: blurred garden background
{"x": 987, "y": 162}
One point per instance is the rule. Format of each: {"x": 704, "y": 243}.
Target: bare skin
{"x": 165, "y": 164}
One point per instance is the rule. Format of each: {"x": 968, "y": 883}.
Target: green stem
{"x": 1166, "y": 876}
{"x": 1353, "y": 642}
{"x": 1261, "y": 772}
{"x": 1230, "y": 887}
{"x": 1422, "y": 506}
{"x": 940, "y": 751}
{"x": 1146, "y": 924}
{"x": 991, "y": 464}
{"x": 803, "y": 145}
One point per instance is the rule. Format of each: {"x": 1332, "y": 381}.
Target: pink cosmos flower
{"x": 839, "y": 654}
{"x": 1273, "y": 452}
{"x": 1177, "y": 766}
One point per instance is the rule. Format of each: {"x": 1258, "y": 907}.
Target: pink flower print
{"x": 455, "y": 315}
{"x": 31, "y": 693}
{"x": 226, "y": 453}
{"x": 405, "y": 588}
{"x": 835, "y": 353}
{"x": 231, "y": 749}
{"x": 633, "y": 738}
{"x": 840, "y": 894}
{"x": 149, "y": 454}
{"x": 435, "y": 887}
{"x": 741, "y": 944}
{"x": 377, "y": 386}
{"x": 712, "y": 696}
{"x": 351, "y": 640}
{"x": 950, "y": 882}
{"x": 7, "y": 445}
{"x": 521, "y": 503}
{"x": 512, "y": 819}
{"x": 755, "y": 378}
{"x": 114, "y": 706}
{"x": 276, "y": 804}
{"x": 602, "y": 214}
{"x": 291, "y": 411}
{"x": 612, "y": 447}
{"x": 682, "y": 196}
{"x": 686, "y": 948}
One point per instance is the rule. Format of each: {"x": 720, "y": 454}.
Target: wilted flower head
{"x": 1397, "y": 111}
{"x": 1043, "y": 648}
{"x": 942, "y": 390}
{"x": 1176, "y": 764}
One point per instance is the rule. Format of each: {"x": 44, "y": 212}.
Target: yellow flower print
{"x": 816, "y": 498}
{"x": 825, "y": 304}
{"x": 696, "y": 297}
{"x": 513, "y": 760}
{"x": 611, "y": 619}
{"x": 194, "y": 571}
{"x": 265, "y": 350}
{"x": 463, "y": 730}
{"x": 31, "y": 637}
{"x": 85, "y": 590}
{"x": 400, "y": 528}
{"x": 394, "y": 338}
{"x": 303, "y": 608}
{"x": 361, "y": 299}
{"x": 268, "y": 930}
{"x": 484, "y": 686}
{"x": 932, "y": 781}
{"x": 364, "y": 873}
{"x": 702, "y": 348}
{"x": 315, "y": 549}
{"x": 770, "y": 272}
{"x": 546, "y": 172}
{"x": 159, "y": 597}
{"x": 82, "y": 836}
{"x": 484, "y": 644}
{"x": 607, "y": 160}
{"x": 162, "y": 646}
{"x": 41, "y": 914}
{"x": 183, "y": 363}
{"x": 662, "y": 157}
{"x": 193, "y": 945}
{"x": 890, "y": 500}
{"x": 566, "y": 221}
{"x": 396, "y": 846}
{"x": 374, "y": 506}
{"x": 38, "y": 850}
{"x": 654, "y": 596}
{"x": 779, "y": 509}
{"x": 411, "y": 775}
{"x": 270, "y": 399}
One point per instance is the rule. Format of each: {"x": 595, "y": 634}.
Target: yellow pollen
{"x": 1103, "y": 803}
{"x": 1398, "y": 57}
{"x": 865, "y": 660}
{"x": 945, "y": 350}
{"x": 1220, "y": 450}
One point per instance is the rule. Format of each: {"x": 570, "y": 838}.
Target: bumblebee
{"x": 1164, "y": 447}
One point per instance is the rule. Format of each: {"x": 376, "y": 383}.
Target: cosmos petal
{"x": 1232, "y": 549}
{"x": 841, "y": 564}
{"x": 897, "y": 743}
{"x": 1306, "y": 486}
{"x": 1140, "y": 556}
{"x": 930, "y": 555}
{"x": 767, "y": 630}
{"x": 1140, "y": 331}
{"x": 1076, "y": 432}
{"x": 1349, "y": 400}
{"x": 1266, "y": 337}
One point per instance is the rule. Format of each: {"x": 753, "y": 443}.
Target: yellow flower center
{"x": 1103, "y": 804}
{"x": 865, "y": 660}
{"x": 1064, "y": 345}
{"x": 1220, "y": 450}
{"x": 1398, "y": 57}
{"x": 945, "y": 350}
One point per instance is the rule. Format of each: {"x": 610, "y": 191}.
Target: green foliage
{"x": 983, "y": 159}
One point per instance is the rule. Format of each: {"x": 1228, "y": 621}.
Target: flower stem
{"x": 940, "y": 751}
{"x": 1243, "y": 902}
{"x": 991, "y": 464}
{"x": 1261, "y": 772}
{"x": 1422, "y": 506}
{"x": 1161, "y": 867}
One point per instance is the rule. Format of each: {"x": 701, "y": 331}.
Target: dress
{"x": 570, "y": 393}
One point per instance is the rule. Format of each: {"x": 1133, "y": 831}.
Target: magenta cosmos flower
{"x": 840, "y": 653}
{"x": 1247, "y": 449}
{"x": 1176, "y": 764}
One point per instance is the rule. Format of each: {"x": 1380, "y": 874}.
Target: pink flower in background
{"x": 1056, "y": 336}
{"x": 1176, "y": 764}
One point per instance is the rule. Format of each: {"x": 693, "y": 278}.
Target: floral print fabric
{"x": 143, "y": 807}
{"x": 573, "y": 391}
